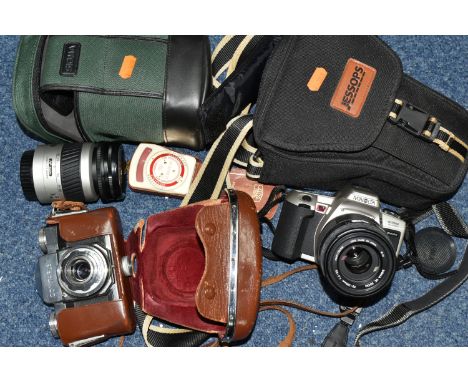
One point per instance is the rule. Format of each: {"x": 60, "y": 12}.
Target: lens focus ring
{"x": 26, "y": 175}
{"x": 70, "y": 172}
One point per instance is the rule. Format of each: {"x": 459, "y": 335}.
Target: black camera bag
{"x": 399, "y": 151}
{"x": 337, "y": 110}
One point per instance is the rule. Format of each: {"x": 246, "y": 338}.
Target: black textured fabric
{"x": 450, "y": 220}
{"x": 238, "y": 90}
{"x": 435, "y": 251}
{"x": 291, "y": 117}
{"x": 305, "y": 143}
{"x": 226, "y": 52}
{"x": 212, "y": 172}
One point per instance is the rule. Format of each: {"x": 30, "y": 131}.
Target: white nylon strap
{"x": 233, "y": 59}
{"x": 226, "y": 165}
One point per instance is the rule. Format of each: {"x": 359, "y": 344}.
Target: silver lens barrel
{"x": 86, "y": 172}
{"x": 46, "y": 173}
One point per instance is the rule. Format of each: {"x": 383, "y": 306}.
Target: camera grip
{"x": 287, "y": 240}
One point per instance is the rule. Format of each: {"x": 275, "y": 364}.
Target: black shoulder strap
{"x": 454, "y": 225}
{"x": 209, "y": 181}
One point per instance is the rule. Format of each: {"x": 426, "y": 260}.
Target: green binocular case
{"x": 113, "y": 88}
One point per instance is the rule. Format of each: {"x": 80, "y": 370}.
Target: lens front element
{"x": 357, "y": 259}
{"x": 84, "y": 271}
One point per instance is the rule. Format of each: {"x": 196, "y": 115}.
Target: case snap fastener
{"x": 210, "y": 229}
{"x": 209, "y": 291}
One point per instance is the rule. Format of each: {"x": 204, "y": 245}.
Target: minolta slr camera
{"x": 353, "y": 241}
{"x": 84, "y": 275}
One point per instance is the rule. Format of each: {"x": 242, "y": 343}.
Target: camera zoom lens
{"x": 357, "y": 260}
{"x": 81, "y": 172}
{"x": 81, "y": 270}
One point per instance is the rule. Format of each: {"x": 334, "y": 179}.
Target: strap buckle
{"x": 350, "y": 318}
{"x": 414, "y": 120}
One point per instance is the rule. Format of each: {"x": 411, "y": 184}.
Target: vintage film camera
{"x": 353, "y": 241}
{"x": 83, "y": 274}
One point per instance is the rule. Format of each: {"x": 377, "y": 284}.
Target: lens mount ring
{"x": 101, "y": 172}
{"x": 109, "y": 171}
{"x": 83, "y": 271}
{"x": 364, "y": 237}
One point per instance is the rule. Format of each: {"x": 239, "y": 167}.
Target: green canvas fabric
{"x": 107, "y": 118}
{"x": 23, "y": 96}
{"x": 100, "y": 61}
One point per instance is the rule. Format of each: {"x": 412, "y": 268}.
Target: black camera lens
{"x": 356, "y": 258}
{"x": 81, "y": 270}
{"x": 82, "y": 172}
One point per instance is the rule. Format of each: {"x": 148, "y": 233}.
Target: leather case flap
{"x": 212, "y": 225}
{"x": 213, "y": 228}
{"x": 326, "y": 93}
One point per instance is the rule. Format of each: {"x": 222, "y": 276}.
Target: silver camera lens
{"x": 84, "y": 271}
{"x": 82, "y": 172}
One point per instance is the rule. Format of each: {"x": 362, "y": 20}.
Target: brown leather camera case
{"x": 183, "y": 266}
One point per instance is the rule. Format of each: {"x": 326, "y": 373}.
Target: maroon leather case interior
{"x": 170, "y": 265}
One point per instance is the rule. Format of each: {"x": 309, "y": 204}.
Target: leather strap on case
{"x": 229, "y": 290}
{"x": 453, "y": 224}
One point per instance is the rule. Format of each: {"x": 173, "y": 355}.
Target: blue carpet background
{"x": 438, "y": 61}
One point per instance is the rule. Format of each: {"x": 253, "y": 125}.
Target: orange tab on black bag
{"x": 353, "y": 88}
